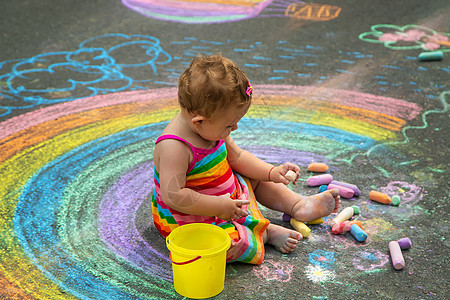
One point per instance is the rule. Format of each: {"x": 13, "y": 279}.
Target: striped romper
{"x": 210, "y": 174}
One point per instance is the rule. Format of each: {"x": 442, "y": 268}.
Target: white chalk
{"x": 396, "y": 255}
{"x": 344, "y": 215}
{"x": 290, "y": 175}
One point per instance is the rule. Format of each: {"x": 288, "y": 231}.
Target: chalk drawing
{"x": 221, "y": 11}
{"x": 407, "y": 37}
{"x": 322, "y": 258}
{"x": 317, "y": 274}
{"x": 313, "y": 11}
{"x": 274, "y": 271}
{"x": 80, "y": 73}
{"x": 369, "y": 260}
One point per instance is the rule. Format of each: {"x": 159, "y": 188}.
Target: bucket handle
{"x": 185, "y": 262}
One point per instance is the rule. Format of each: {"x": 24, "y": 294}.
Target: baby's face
{"x": 223, "y": 124}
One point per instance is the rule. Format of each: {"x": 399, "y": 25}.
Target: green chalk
{"x": 356, "y": 210}
{"x": 395, "y": 200}
{"x": 434, "y": 55}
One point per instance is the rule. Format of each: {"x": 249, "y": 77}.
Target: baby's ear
{"x": 197, "y": 120}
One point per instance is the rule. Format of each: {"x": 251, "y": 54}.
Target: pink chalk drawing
{"x": 409, "y": 193}
{"x": 407, "y": 37}
{"x": 271, "y": 270}
{"x": 369, "y": 260}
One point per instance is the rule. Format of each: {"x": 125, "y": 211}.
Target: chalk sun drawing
{"x": 407, "y": 37}
{"x": 317, "y": 274}
{"x": 221, "y": 11}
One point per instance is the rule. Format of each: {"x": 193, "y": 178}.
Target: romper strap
{"x": 174, "y": 137}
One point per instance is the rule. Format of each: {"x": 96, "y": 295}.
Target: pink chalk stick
{"x": 396, "y": 255}
{"x": 348, "y": 185}
{"x": 341, "y": 227}
{"x": 319, "y": 180}
{"x": 343, "y": 191}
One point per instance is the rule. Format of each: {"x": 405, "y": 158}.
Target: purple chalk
{"x": 286, "y": 217}
{"x": 319, "y": 180}
{"x": 405, "y": 243}
{"x": 348, "y": 185}
{"x": 343, "y": 191}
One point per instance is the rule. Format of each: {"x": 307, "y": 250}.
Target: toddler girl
{"x": 202, "y": 176}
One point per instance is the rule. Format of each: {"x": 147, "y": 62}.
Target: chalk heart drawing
{"x": 274, "y": 271}
{"x": 75, "y": 175}
{"x": 407, "y": 37}
{"x": 220, "y": 11}
{"x": 370, "y": 259}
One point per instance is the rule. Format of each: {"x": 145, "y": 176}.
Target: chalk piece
{"x": 357, "y": 222}
{"x": 344, "y": 215}
{"x": 404, "y": 243}
{"x": 286, "y": 217}
{"x": 396, "y": 255}
{"x": 290, "y": 175}
{"x": 356, "y": 210}
{"x": 319, "y": 180}
{"x": 315, "y": 222}
{"x": 396, "y": 200}
{"x": 358, "y": 233}
{"x": 348, "y": 185}
{"x": 342, "y": 227}
{"x": 317, "y": 167}
{"x": 379, "y": 197}
{"x": 323, "y": 188}
{"x": 433, "y": 55}
{"x": 343, "y": 191}
{"x": 300, "y": 227}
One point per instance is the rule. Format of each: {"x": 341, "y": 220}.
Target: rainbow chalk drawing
{"x": 66, "y": 171}
{"x": 221, "y": 11}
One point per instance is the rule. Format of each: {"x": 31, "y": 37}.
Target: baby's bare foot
{"x": 316, "y": 206}
{"x": 283, "y": 239}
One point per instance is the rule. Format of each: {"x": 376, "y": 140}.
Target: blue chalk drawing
{"x": 322, "y": 258}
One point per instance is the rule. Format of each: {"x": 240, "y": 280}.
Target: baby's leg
{"x": 279, "y": 197}
{"x": 283, "y": 239}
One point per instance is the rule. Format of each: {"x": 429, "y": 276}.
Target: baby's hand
{"x": 232, "y": 208}
{"x": 278, "y": 174}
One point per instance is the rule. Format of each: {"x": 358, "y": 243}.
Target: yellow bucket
{"x": 198, "y": 252}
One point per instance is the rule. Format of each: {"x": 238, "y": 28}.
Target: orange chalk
{"x": 379, "y": 197}
{"x": 357, "y": 222}
{"x": 317, "y": 167}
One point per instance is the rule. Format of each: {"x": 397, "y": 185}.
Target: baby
{"x": 202, "y": 176}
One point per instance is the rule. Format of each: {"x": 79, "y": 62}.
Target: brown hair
{"x": 211, "y": 84}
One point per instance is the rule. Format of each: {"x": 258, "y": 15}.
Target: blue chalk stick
{"x": 358, "y": 233}
{"x": 434, "y": 55}
{"x": 323, "y": 188}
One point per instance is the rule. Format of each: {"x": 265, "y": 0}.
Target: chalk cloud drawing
{"x": 317, "y": 274}
{"x": 370, "y": 259}
{"x": 221, "y": 11}
{"x": 83, "y": 72}
{"x": 407, "y": 37}
{"x": 270, "y": 270}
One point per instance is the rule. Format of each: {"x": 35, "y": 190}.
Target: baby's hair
{"x": 212, "y": 83}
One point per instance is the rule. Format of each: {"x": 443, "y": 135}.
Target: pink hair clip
{"x": 249, "y": 90}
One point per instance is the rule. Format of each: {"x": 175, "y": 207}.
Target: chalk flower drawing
{"x": 271, "y": 270}
{"x": 318, "y": 274}
{"x": 369, "y": 260}
{"x": 408, "y": 192}
{"x": 407, "y": 37}
{"x": 322, "y": 258}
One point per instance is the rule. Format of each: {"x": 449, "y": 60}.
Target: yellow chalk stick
{"x": 315, "y": 222}
{"x": 300, "y": 227}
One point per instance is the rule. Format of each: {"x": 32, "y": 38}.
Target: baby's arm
{"x": 173, "y": 160}
{"x": 251, "y": 166}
